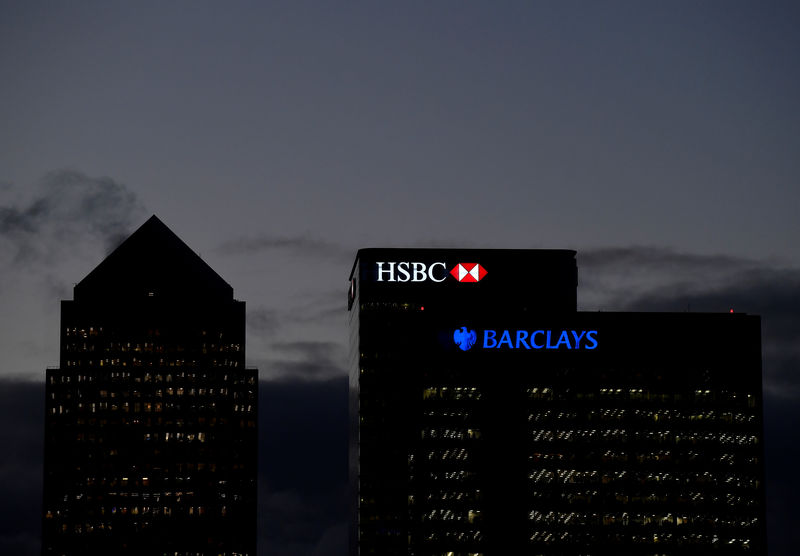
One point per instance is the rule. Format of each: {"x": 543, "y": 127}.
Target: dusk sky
{"x": 661, "y": 140}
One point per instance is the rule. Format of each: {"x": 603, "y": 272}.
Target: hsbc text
{"x": 411, "y": 272}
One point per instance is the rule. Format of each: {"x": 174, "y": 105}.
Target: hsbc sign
{"x": 434, "y": 272}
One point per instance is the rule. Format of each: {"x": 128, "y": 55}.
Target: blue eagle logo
{"x": 464, "y": 338}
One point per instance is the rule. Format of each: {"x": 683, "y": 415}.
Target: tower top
{"x": 153, "y": 262}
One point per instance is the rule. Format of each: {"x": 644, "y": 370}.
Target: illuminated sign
{"x": 468, "y": 272}
{"x": 406, "y": 271}
{"x": 527, "y": 339}
{"x": 464, "y": 338}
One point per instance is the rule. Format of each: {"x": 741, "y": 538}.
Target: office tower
{"x": 489, "y": 416}
{"x": 150, "y": 426}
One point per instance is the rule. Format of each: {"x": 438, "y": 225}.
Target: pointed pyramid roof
{"x": 153, "y": 262}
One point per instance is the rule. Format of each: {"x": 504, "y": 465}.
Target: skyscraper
{"x": 489, "y": 416}
{"x": 150, "y": 427}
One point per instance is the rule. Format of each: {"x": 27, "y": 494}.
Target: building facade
{"x": 150, "y": 427}
{"x": 488, "y": 416}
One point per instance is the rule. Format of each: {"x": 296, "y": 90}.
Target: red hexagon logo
{"x": 468, "y": 272}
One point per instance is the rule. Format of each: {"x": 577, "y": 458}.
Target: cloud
{"x": 263, "y": 320}
{"x": 772, "y": 294}
{"x": 305, "y": 360}
{"x": 313, "y": 307}
{"x": 610, "y": 278}
{"x": 304, "y": 246}
{"x": 67, "y": 210}
{"x": 654, "y": 257}
{"x": 641, "y": 279}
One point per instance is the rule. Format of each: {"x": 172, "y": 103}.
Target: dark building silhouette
{"x": 489, "y": 416}
{"x": 150, "y": 427}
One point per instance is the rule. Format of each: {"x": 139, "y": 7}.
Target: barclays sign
{"x": 526, "y": 339}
